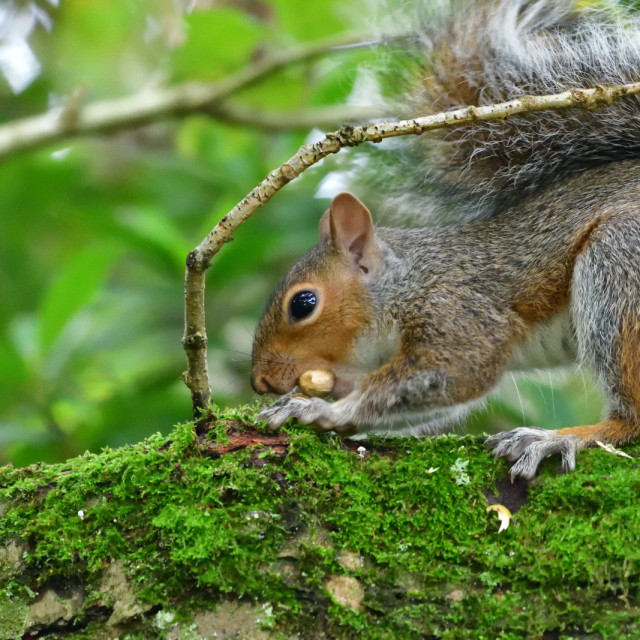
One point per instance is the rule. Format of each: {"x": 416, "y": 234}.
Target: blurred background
{"x": 94, "y": 230}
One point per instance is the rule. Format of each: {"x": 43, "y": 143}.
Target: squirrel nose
{"x": 261, "y": 385}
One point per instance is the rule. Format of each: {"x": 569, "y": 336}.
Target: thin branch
{"x": 151, "y": 105}
{"x": 198, "y": 260}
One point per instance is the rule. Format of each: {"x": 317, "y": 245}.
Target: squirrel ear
{"x": 349, "y": 226}
{"x": 324, "y": 226}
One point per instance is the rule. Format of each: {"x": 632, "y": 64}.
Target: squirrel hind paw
{"x": 528, "y": 446}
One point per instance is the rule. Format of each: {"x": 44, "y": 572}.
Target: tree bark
{"x": 221, "y": 531}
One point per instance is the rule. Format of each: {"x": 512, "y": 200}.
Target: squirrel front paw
{"x": 528, "y": 446}
{"x": 314, "y": 411}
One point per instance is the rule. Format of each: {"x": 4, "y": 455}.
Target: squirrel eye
{"x": 302, "y": 305}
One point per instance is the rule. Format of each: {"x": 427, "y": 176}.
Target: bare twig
{"x": 151, "y": 105}
{"x": 198, "y": 260}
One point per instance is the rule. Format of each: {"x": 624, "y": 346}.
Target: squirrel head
{"x": 316, "y": 314}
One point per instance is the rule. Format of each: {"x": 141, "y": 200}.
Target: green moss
{"x": 13, "y": 614}
{"x": 191, "y": 529}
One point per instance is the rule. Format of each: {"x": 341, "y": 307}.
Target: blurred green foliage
{"x": 94, "y": 232}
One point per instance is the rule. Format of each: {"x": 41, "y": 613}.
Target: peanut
{"x": 316, "y": 382}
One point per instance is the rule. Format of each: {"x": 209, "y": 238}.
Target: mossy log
{"x": 219, "y": 530}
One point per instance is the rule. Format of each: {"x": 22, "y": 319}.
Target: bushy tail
{"x": 479, "y": 52}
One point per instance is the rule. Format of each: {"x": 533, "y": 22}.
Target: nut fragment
{"x": 316, "y": 382}
{"x": 504, "y": 515}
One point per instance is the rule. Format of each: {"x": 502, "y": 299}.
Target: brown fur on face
{"x": 284, "y": 349}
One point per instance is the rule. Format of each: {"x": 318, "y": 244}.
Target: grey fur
{"x": 606, "y": 290}
{"x": 552, "y": 344}
{"x": 497, "y": 51}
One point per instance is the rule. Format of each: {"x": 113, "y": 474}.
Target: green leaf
{"x": 336, "y": 76}
{"x": 218, "y": 42}
{"x": 12, "y": 366}
{"x": 311, "y": 19}
{"x": 156, "y": 232}
{"x": 75, "y": 286}
{"x": 285, "y": 90}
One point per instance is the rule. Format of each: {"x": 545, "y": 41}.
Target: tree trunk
{"x": 221, "y": 531}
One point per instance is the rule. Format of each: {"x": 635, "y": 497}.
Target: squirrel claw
{"x": 528, "y": 446}
{"x": 306, "y": 410}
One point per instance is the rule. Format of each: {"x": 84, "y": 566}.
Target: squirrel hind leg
{"x": 605, "y": 312}
{"x": 528, "y": 446}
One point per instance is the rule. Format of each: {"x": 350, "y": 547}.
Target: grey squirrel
{"x": 526, "y": 252}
